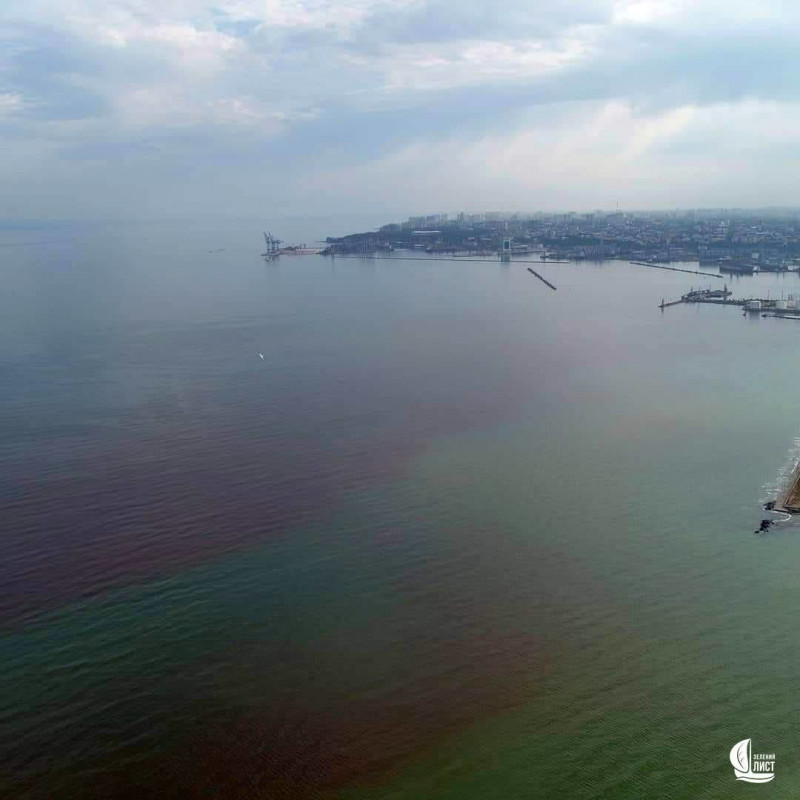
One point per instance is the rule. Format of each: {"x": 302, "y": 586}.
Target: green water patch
{"x": 672, "y": 624}
{"x": 325, "y": 655}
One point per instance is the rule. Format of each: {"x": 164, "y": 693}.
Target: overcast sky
{"x": 149, "y": 108}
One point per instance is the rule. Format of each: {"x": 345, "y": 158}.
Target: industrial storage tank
{"x": 754, "y": 305}
{"x": 780, "y": 304}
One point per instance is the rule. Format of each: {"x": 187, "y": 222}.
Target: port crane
{"x": 273, "y": 246}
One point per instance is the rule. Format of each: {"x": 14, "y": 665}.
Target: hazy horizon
{"x": 386, "y": 218}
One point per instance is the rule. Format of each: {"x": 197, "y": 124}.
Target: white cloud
{"x": 406, "y": 98}
{"x": 472, "y": 63}
{"x": 718, "y": 15}
{"x": 183, "y": 44}
{"x": 10, "y": 103}
{"x": 593, "y": 155}
{"x": 165, "y": 107}
{"x": 331, "y": 15}
{"x": 645, "y": 12}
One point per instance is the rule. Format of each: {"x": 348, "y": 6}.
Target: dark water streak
{"x": 206, "y": 462}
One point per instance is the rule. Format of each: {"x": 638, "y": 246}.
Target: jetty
{"x": 543, "y": 280}
{"x": 653, "y": 265}
{"x": 781, "y": 309}
{"x": 719, "y": 296}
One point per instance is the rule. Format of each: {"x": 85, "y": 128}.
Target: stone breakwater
{"x": 790, "y": 500}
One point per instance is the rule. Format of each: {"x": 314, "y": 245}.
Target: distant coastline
{"x": 734, "y": 241}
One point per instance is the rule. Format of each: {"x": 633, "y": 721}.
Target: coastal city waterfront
{"x": 735, "y": 241}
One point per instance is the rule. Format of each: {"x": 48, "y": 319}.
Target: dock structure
{"x": 720, "y": 302}
{"x": 543, "y": 280}
{"x": 719, "y": 296}
{"x": 675, "y": 269}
